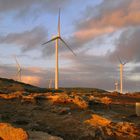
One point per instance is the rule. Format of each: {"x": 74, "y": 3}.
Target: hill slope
{"x": 9, "y": 85}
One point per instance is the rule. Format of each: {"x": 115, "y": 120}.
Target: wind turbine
{"x": 116, "y": 86}
{"x": 56, "y": 39}
{"x": 18, "y": 69}
{"x": 50, "y": 83}
{"x": 122, "y": 64}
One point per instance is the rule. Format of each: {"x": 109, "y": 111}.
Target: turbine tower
{"x": 56, "y": 39}
{"x": 122, "y": 64}
{"x": 18, "y": 69}
{"x": 50, "y": 83}
{"x": 116, "y": 86}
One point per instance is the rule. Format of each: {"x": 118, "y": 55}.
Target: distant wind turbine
{"x": 122, "y": 64}
{"x": 50, "y": 83}
{"x": 56, "y": 39}
{"x": 116, "y": 86}
{"x": 18, "y": 69}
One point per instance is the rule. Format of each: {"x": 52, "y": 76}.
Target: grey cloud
{"x": 96, "y": 71}
{"x": 127, "y": 45}
{"x": 90, "y": 71}
{"x": 27, "y": 40}
{"x": 8, "y": 5}
{"x": 25, "y": 7}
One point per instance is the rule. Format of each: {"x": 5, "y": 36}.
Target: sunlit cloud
{"x": 34, "y": 80}
{"x": 107, "y": 17}
{"x": 91, "y": 33}
{"x": 35, "y": 69}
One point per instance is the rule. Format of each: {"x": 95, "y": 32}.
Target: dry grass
{"x": 38, "y": 135}
{"x": 80, "y": 102}
{"x": 97, "y": 120}
{"x": 11, "y": 96}
{"x": 7, "y": 132}
{"x": 63, "y": 98}
{"x": 120, "y": 130}
{"x": 106, "y": 100}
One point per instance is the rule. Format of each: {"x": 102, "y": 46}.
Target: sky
{"x": 98, "y": 31}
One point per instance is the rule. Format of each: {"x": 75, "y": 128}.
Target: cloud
{"x": 36, "y": 70}
{"x": 105, "y": 18}
{"x": 34, "y": 80}
{"x": 23, "y": 7}
{"x": 127, "y": 45}
{"x": 27, "y": 40}
{"x": 89, "y": 71}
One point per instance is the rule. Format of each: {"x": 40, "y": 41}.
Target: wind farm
{"x": 80, "y": 79}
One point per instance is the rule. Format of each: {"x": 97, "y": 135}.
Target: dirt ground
{"x": 74, "y": 116}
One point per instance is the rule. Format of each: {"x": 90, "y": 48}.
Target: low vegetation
{"x": 7, "y": 132}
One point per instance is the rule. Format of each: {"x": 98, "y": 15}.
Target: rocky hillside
{"x": 9, "y": 86}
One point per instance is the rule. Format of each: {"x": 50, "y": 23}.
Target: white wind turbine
{"x": 18, "y": 69}
{"x": 50, "y": 83}
{"x": 122, "y": 64}
{"x": 56, "y": 39}
{"x": 116, "y": 86}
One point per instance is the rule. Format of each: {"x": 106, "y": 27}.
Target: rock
{"x": 7, "y": 132}
{"x": 38, "y": 135}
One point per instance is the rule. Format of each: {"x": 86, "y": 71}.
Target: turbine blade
{"x": 125, "y": 62}
{"x": 67, "y": 45}
{"x": 59, "y": 23}
{"x": 119, "y": 59}
{"x": 50, "y": 40}
{"x": 18, "y": 65}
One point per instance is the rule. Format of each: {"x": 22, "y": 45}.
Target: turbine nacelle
{"x": 62, "y": 40}
{"x": 121, "y": 62}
